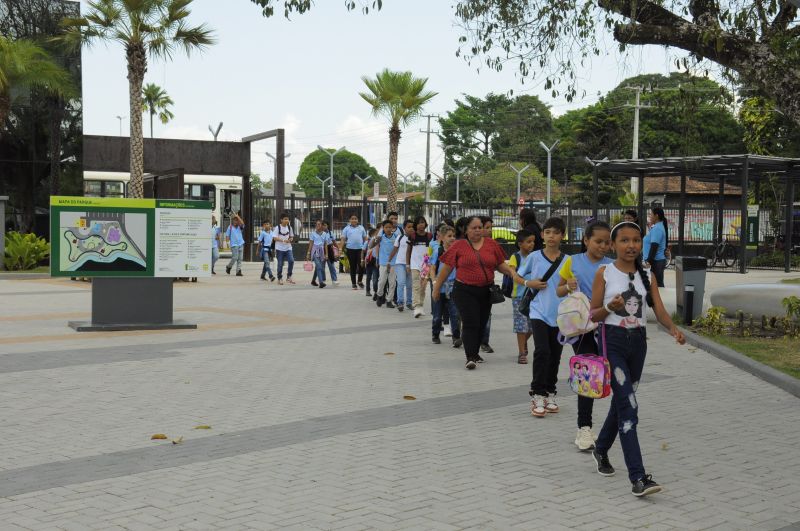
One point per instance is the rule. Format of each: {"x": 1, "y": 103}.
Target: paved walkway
{"x": 304, "y": 392}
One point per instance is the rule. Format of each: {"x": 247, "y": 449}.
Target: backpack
{"x": 574, "y": 317}
{"x": 507, "y": 287}
{"x": 590, "y": 374}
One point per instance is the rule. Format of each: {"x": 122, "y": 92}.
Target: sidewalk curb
{"x": 23, "y": 276}
{"x": 757, "y": 369}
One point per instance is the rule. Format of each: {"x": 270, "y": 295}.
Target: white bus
{"x": 224, "y": 191}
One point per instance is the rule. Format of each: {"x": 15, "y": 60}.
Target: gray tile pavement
{"x": 310, "y": 429}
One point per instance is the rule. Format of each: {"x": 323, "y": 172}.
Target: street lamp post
{"x": 519, "y": 178}
{"x": 275, "y": 165}
{"x": 330, "y": 185}
{"x": 549, "y": 168}
{"x": 405, "y": 180}
{"x": 458, "y": 180}
{"x": 322, "y": 181}
{"x": 120, "y": 118}
{"x": 363, "y": 180}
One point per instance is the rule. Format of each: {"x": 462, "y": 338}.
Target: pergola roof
{"x": 704, "y": 167}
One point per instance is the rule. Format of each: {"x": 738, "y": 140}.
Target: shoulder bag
{"x": 530, "y": 294}
{"x": 495, "y": 293}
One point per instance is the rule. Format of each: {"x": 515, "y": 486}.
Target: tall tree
{"x": 155, "y": 100}
{"x": 400, "y": 97}
{"x": 346, "y": 166}
{"x": 143, "y": 27}
{"x": 757, "y": 42}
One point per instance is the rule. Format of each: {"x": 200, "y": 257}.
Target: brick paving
{"x": 310, "y": 429}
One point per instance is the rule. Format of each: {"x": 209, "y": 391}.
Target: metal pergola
{"x": 739, "y": 170}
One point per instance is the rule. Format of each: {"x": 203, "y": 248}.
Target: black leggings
{"x": 658, "y": 270}
{"x": 585, "y": 345}
{"x": 474, "y": 307}
{"x": 546, "y": 358}
{"x": 354, "y": 257}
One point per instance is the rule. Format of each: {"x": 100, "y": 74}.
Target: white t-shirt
{"x": 634, "y": 314}
{"x": 282, "y": 232}
{"x": 402, "y": 245}
{"x": 419, "y": 250}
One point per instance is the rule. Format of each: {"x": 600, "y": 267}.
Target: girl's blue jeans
{"x": 626, "y": 349}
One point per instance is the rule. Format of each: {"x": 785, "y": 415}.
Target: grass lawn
{"x": 791, "y": 280}
{"x": 782, "y": 354}
{"x": 40, "y": 269}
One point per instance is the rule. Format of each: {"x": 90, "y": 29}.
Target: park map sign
{"x": 114, "y": 237}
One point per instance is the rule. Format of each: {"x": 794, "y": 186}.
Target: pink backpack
{"x": 590, "y": 374}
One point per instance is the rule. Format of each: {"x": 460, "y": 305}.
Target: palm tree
{"x": 154, "y": 27}
{"x": 23, "y": 63}
{"x": 156, "y": 100}
{"x": 399, "y": 96}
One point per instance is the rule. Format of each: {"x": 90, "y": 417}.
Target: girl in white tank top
{"x": 621, "y": 294}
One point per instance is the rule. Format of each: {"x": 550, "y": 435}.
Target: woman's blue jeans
{"x": 626, "y": 349}
{"x": 319, "y": 268}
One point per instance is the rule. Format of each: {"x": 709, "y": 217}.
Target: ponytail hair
{"x": 645, "y": 276}
{"x": 659, "y": 212}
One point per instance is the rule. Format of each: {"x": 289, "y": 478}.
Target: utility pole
{"x": 635, "y": 152}
{"x": 519, "y": 178}
{"x": 428, "y": 160}
{"x": 549, "y": 168}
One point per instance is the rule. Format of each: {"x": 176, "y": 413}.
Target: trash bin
{"x": 690, "y": 286}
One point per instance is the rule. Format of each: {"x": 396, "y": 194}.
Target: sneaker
{"x": 470, "y": 365}
{"x": 645, "y": 486}
{"x": 263, "y": 277}
{"x": 361, "y": 285}
{"x": 537, "y": 406}
{"x": 448, "y": 332}
{"x": 436, "y": 340}
{"x": 272, "y": 279}
{"x": 584, "y": 440}
{"x": 417, "y": 313}
{"x": 375, "y": 297}
{"x": 486, "y": 348}
{"x": 289, "y": 281}
{"x": 335, "y": 282}
{"x": 280, "y": 282}
{"x": 399, "y": 307}
{"x": 409, "y": 307}
{"x": 355, "y": 288}
{"x": 369, "y": 294}
{"x": 314, "y": 283}
{"x": 457, "y": 342}
{"x": 322, "y": 285}
{"x": 239, "y": 274}
{"x": 391, "y": 305}
{"x": 212, "y": 272}
{"x": 228, "y": 270}
{"x": 604, "y": 467}
{"x": 550, "y": 404}
{"x": 479, "y": 359}
{"x": 380, "y": 301}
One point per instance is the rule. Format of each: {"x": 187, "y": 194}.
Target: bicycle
{"x": 724, "y": 252}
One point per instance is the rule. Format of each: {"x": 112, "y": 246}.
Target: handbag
{"x": 308, "y": 266}
{"x": 529, "y": 294}
{"x": 590, "y": 374}
{"x": 495, "y": 293}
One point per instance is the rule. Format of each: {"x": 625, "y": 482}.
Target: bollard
{"x": 688, "y": 304}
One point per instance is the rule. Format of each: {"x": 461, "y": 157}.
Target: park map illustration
{"x": 101, "y": 241}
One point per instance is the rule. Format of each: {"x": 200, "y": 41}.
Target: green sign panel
{"x": 93, "y": 236}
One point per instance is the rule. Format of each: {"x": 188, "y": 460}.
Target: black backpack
{"x": 507, "y": 287}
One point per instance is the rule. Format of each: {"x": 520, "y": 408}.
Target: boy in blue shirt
{"x": 522, "y": 324}
{"x": 385, "y": 246}
{"x": 235, "y": 236}
{"x": 543, "y": 313}
{"x": 265, "y": 251}
{"x": 447, "y": 236}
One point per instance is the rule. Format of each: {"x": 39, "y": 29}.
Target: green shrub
{"x": 773, "y": 259}
{"x": 24, "y": 251}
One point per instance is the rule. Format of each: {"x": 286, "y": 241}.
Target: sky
{"x": 304, "y": 75}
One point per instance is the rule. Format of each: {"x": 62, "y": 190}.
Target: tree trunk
{"x": 56, "y": 117}
{"x": 137, "y": 66}
{"x": 151, "y": 124}
{"x": 394, "y": 144}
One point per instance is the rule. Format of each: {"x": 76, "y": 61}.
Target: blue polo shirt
{"x": 385, "y": 248}
{"x": 234, "y": 234}
{"x": 583, "y": 269}
{"x": 265, "y": 239}
{"x": 214, "y": 237}
{"x": 434, "y": 261}
{"x": 318, "y": 239}
{"x": 657, "y": 235}
{"x": 354, "y": 236}
{"x": 545, "y": 305}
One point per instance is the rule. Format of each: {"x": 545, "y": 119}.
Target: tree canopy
{"x": 346, "y": 165}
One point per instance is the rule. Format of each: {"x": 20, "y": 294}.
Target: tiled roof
{"x": 672, "y": 185}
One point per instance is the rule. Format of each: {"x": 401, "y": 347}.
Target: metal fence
{"x": 699, "y": 231}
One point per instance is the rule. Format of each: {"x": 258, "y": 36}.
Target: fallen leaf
{"x": 202, "y": 427}
{"x": 178, "y": 440}
{"x": 389, "y": 354}
{"x": 158, "y": 436}
{"x": 664, "y": 446}
{"x": 409, "y": 397}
